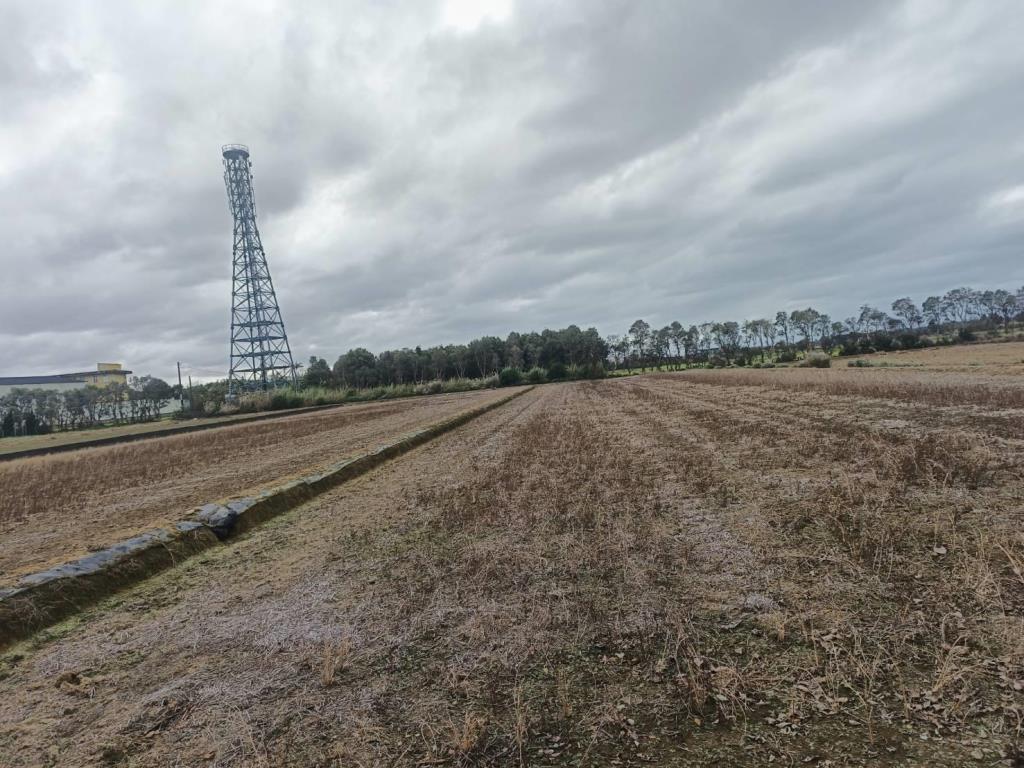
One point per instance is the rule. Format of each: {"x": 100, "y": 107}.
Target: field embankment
{"x": 653, "y": 571}
{"x": 73, "y": 440}
{"x": 56, "y": 508}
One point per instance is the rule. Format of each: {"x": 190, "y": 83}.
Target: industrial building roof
{"x": 58, "y": 378}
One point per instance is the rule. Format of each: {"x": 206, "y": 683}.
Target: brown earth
{"x": 650, "y": 571}
{"x": 56, "y": 508}
{"x": 997, "y": 358}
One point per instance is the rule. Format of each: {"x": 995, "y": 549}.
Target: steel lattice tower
{"x": 260, "y": 355}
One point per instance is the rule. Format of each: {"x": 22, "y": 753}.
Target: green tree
{"x": 677, "y": 335}
{"x": 357, "y": 368}
{"x": 661, "y": 344}
{"x": 1007, "y": 305}
{"x": 154, "y": 394}
{"x": 934, "y": 311}
{"x": 906, "y": 310}
{"x": 318, "y": 373}
{"x": 640, "y": 336}
{"x": 784, "y": 327}
{"x": 727, "y": 338}
{"x": 805, "y": 321}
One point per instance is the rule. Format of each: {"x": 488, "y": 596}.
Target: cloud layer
{"x": 426, "y": 173}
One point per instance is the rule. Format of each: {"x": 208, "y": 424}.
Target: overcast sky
{"x": 429, "y": 172}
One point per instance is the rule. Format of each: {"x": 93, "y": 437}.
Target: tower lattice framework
{"x": 260, "y": 356}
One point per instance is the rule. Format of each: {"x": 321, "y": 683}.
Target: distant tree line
{"x": 41, "y": 411}
{"x": 957, "y": 316}
{"x": 960, "y": 315}
{"x": 550, "y": 354}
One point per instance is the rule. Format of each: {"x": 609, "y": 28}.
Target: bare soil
{"x": 56, "y": 508}
{"x": 650, "y": 571}
{"x": 994, "y": 358}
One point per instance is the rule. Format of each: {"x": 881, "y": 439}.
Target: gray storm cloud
{"x": 429, "y": 173}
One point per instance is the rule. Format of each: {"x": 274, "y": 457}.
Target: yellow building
{"x": 105, "y": 373}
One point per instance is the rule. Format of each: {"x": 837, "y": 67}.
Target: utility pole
{"x": 181, "y": 392}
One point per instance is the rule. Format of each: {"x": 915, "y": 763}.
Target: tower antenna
{"x": 260, "y": 356}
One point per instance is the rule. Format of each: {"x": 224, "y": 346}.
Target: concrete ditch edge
{"x": 42, "y": 599}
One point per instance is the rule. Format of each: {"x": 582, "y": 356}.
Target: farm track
{"x": 111, "y": 493}
{"x": 648, "y": 571}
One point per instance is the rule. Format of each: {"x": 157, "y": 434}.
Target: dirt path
{"x": 634, "y": 572}
{"x": 56, "y": 508}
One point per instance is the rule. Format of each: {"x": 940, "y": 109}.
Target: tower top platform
{"x": 231, "y": 151}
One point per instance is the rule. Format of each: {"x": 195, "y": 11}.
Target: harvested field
{"x": 663, "y": 570}
{"x": 79, "y": 437}
{"x": 997, "y": 359}
{"x": 907, "y": 385}
{"x": 57, "y": 508}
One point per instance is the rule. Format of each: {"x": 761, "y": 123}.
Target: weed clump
{"x": 816, "y": 360}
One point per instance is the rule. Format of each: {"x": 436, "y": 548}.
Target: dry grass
{"x": 54, "y": 508}
{"x": 572, "y": 561}
{"x": 335, "y": 659}
{"x": 897, "y": 384}
{"x": 29, "y": 442}
{"x": 1002, "y": 358}
{"x": 641, "y": 572}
